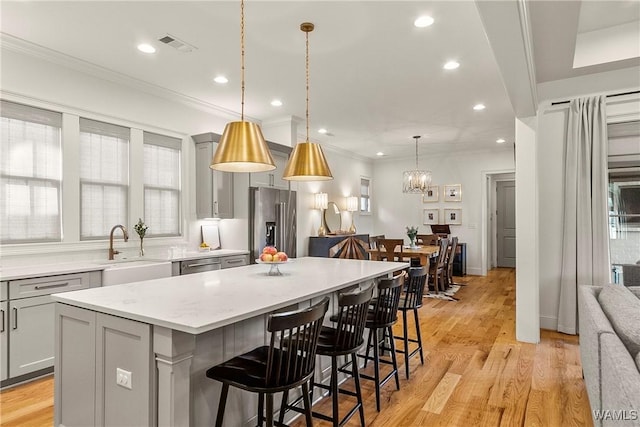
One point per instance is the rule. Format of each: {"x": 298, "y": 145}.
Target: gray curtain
{"x": 585, "y": 241}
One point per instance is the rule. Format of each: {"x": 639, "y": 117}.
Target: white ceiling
{"x": 376, "y": 80}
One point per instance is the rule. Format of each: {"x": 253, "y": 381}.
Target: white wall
{"x": 527, "y": 261}
{"x": 393, "y": 210}
{"x": 347, "y": 168}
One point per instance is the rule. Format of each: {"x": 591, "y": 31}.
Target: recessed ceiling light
{"x": 322, "y": 130}
{"x": 276, "y": 103}
{"x": 146, "y": 48}
{"x": 479, "y": 107}
{"x": 451, "y": 65}
{"x": 221, "y": 79}
{"x": 379, "y": 153}
{"x": 500, "y": 141}
{"x": 423, "y": 21}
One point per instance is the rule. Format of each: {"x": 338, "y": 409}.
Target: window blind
{"x": 162, "y": 184}
{"x": 30, "y": 174}
{"x": 104, "y": 177}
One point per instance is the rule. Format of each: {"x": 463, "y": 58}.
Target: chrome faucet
{"x": 126, "y": 238}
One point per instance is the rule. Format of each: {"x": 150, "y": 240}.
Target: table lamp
{"x": 321, "y": 203}
{"x": 352, "y": 206}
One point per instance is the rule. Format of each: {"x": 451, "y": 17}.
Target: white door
{"x": 506, "y": 222}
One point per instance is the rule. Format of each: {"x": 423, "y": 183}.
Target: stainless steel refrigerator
{"x": 272, "y": 220}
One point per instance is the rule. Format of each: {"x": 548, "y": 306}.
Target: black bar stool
{"x": 383, "y": 315}
{"x": 287, "y": 362}
{"x": 342, "y": 340}
{"x": 412, "y": 301}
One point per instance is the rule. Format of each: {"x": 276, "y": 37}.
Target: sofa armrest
{"x": 593, "y": 323}
{"x": 620, "y": 384}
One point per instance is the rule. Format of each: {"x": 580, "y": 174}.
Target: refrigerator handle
{"x": 281, "y": 219}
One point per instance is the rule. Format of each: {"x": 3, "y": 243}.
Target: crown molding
{"x": 19, "y": 45}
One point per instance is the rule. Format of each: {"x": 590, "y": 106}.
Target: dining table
{"x": 425, "y": 253}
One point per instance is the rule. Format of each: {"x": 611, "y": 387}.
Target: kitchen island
{"x": 135, "y": 354}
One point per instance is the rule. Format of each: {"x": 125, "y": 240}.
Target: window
{"x": 365, "y": 195}
{"x": 162, "y": 184}
{"x": 104, "y": 177}
{"x": 31, "y": 174}
{"x": 624, "y": 194}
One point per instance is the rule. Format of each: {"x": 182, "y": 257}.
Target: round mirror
{"x": 332, "y": 218}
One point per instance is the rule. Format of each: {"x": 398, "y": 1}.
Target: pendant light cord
{"x": 242, "y": 57}
{"x": 416, "y": 137}
{"x": 307, "y": 76}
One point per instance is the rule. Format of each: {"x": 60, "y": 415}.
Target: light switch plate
{"x": 123, "y": 378}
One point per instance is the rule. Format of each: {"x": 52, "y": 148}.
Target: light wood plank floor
{"x": 475, "y": 372}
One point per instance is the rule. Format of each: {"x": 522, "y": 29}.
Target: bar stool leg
{"x": 376, "y": 365}
{"x": 222, "y": 404}
{"x": 366, "y": 357}
{"x": 356, "y": 378}
{"x": 334, "y": 390}
{"x": 269, "y": 410}
{"x": 307, "y": 404}
{"x": 393, "y": 358}
{"x": 405, "y": 339}
{"x": 283, "y": 406}
{"x": 415, "y": 316}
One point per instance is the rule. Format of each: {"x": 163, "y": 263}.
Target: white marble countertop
{"x": 200, "y": 302}
{"x": 41, "y": 270}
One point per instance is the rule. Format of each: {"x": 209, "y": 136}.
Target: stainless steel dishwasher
{"x": 190, "y": 266}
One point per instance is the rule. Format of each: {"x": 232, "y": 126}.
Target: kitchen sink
{"x": 134, "y": 270}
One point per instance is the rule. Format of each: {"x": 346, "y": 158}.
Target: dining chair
{"x": 373, "y": 244}
{"x": 451, "y": 254}
{"x": 436, "y": 267}
{"x": 428, "y": 239}
{"x": 287, "y": 362}
{"x": 387, "y": 249}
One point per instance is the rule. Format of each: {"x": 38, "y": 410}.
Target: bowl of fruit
{"x": 271, "y": 255}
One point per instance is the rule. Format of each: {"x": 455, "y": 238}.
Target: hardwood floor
{"x": 475, "y": 372}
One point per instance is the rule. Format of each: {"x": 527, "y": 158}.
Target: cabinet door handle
{"x": 201, "y": 264}
{"x": 15, "y": 318}
{"x": 215, "y": 208}
{"x": 3, "y": 321}
{"x": 54, "y": 285}
{"x": 271, "y": 180}
{"x": 234, "y": 261}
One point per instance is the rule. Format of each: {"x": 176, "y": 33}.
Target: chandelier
{"x": 416, "y": 181}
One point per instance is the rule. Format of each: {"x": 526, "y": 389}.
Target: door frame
{"x": 488, "y": 238}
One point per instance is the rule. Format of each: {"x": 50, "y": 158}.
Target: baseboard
{"x": 474, "y": 271}
{"x": 549, "y": 322}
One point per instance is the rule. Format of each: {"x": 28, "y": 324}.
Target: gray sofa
{"x": 609, "y": 321}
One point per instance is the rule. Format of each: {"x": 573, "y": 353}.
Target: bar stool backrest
{"x": 292, "y": 348}
{"x": 385, "y": 312}
{"x": 415, "y": 287}
{"x": 352, "y": 315}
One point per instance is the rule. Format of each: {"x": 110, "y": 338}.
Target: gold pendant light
{"x": 307, "y": 161}
{"x": 242, "y": 147}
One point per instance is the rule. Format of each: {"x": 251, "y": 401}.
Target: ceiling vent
{"x": 175, "y": 43}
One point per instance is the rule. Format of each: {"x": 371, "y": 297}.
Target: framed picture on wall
{"x": 452, "y": 193}
{"x": 431, "y": 195}
{"x": 430, "y": 216}
{"x": 453, "y": 216}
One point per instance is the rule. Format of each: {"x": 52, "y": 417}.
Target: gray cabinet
{"x": 272, "y": 178}
{"x": 32, "y": 335}
{"x": 28, "y": 327}
{"x": 234, "y": 261}
{"x": 104, "y": 370}
{"x": 214, "y": 189}
{"x": 4, "y": 330}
